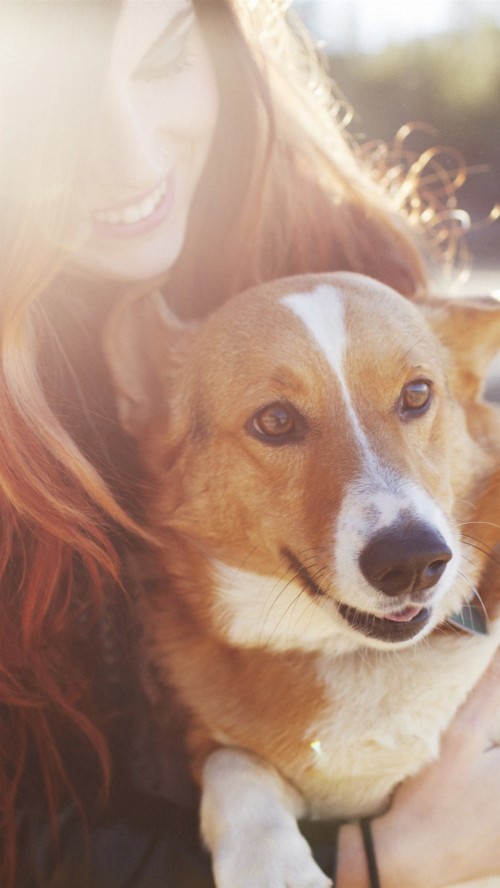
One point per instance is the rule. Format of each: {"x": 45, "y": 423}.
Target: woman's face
{"x": 152, "y": 141}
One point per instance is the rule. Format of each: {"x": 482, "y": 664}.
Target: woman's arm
{"x": 444, "y": 824}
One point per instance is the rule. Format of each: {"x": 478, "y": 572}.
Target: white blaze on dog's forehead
{"x": 322, "y": 313}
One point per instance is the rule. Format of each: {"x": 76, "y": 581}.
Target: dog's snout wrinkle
{"x": 406, "y": 559}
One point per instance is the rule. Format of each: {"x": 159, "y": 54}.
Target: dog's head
{"x": 319, "y": 440}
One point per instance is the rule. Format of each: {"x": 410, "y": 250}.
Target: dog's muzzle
{"x": 403, "y": 562}
{"x": 405, "y": 559}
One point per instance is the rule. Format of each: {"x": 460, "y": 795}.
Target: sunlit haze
{"x": 369, "y": 25}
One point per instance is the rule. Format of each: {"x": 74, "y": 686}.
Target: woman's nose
{"x": 127, "y": 147}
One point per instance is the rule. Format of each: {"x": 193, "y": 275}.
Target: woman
{"x": 146, "y": 143}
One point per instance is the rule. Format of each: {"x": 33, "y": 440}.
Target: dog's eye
{"x": 276, "y": 423}
{"x": 415, "y": 398}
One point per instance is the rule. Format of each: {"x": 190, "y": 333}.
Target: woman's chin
{"x": 132, "y": 260}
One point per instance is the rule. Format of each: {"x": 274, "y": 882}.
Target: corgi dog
{"x": 324, "y": 486}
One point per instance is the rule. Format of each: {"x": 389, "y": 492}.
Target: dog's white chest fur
{"x": 358, "y": 754}
{"x": 386, "y": 718}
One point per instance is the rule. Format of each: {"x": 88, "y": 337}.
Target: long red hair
{"x": 282, "y": 193}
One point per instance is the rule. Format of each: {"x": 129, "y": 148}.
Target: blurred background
{"x": 434, "y": 62}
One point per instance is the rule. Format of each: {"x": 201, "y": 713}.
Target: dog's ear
{"x": 141, "y": 338}
{"x": 470, "y": 330}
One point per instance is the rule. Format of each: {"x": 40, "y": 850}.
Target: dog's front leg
{"x": 248, "y": 820}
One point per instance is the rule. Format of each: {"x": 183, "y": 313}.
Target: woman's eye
{"x": 415, "y": 398}
{"x": 166, "y": 69}
{"x": 172, "y": 52}
{"x": 277, "y": 423}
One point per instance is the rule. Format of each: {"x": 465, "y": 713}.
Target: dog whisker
{"x": 440, "y": 629}
{"x": 315, "y": 577}
{"x": 466, "y": 502}
{"x": 310, "y": 561}
{"x": 486, "y": 523}
{"x": 362, "y": 654}
{"x": 285, "y": 628}
{"x": 308, "y": 607}
{"x": 470, "y": 536}
{"x": 475, "y": 591}
{"x": 481, "y": 547}
{"x": 284, "y": 614}
{"x": 282, "y": 589}
{"x": 266, "y": 610}
{"x": 312, "y": 549}
{"x": 468, "y": 582}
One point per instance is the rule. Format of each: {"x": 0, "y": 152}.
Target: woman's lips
{"x": 134, "y": 219}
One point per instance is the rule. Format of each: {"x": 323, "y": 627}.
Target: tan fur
{"x": 340, "y": 719}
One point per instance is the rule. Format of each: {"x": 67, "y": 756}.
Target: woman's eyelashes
{"x": 169, "y": 68}
{"x": 169, "y": 59}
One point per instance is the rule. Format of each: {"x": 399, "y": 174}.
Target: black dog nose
{"x": 407, "y": 558}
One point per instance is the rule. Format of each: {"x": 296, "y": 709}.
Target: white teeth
{"x": 134, "y": 212}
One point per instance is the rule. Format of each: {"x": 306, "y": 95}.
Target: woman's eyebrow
{"x": 176, "y": 25}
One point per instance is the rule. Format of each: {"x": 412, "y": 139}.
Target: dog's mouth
{"x": 400, "y": 625}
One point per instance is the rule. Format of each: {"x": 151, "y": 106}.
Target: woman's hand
{"x": 444, "y": 825}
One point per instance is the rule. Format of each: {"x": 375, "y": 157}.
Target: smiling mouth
{"x": 136, "y": 218}
{"x": 398, "y": 626}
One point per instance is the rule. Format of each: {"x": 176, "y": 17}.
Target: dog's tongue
{"x": 403, "y": 616}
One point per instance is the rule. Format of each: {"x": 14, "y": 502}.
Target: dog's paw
{"x": 271, "y": 858}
